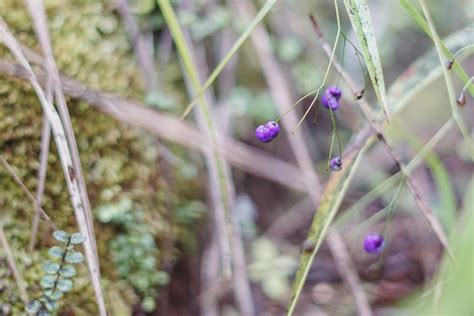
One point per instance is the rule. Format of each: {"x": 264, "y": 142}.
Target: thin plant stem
{"x": 183, "y": 50}
{"x": 328, "y": 67}
{"x": 449, "y": 82}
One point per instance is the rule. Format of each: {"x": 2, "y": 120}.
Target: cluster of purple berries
{"x": 330, "y": 98}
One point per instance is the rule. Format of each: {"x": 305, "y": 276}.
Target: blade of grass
{"x": 216, "y": 162}
{"x": 332, "y": 198}
{"x": 449, "y": 82}
{"x": 233, "y": 50}
{"x": 359, "y": 14}
{"x": 446, "y": 51}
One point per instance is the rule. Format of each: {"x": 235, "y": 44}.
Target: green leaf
{"x": 56, "y": 252}
{"x": 47, "y": 282}
{"x": 50, "y": 267}
{"x": 361, "y": 21}
{"x": 252, "y": 25}
{"x": 77, "y": 238}
{"x": 67, "y": 271}
{"x": 33, "y": 306}
{"x": 61, "y": 236}
{"x": 446, "y": 51}
{"x": 74, "y": 257}
{"x": 53, "y": 296}
{"x": 64, "y": 285}
{"x": 332, "y": 198}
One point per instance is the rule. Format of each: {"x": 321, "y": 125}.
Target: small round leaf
{"x": 51, "y": 267}
{"x": 61, "y": 236}
{"x": 74, "y": 257}
{"x": 68, "y": 271}
{"x": 77, "y": 238}
{"x": 64, "y": 285}
{"x": 52, "y": 305}
{"x": 47, "y": 282}
{"x": 53, "y": 296}
{"x": 56, "y": 252}
{"x": 33, "y": 306}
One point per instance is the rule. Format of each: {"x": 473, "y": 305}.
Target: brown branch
{"x": 242, "y": 156}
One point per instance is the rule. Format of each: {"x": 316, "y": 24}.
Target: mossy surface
{"x": 119, "y": 162}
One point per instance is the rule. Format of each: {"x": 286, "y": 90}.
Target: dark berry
{"x": 374, "y": 243}
{"x": 267, "y": 132}
{"x": 335, "y": 164}
{"x": 330, "y": 98}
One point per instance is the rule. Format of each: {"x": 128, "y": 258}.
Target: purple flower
{"x": 267, "y": 132}
{"x": 335, "y": 163}
{"x": 374, "y": 243}
{"x": 330, "y": 98}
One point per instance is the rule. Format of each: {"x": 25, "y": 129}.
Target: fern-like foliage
{"x": 58, "y": 273}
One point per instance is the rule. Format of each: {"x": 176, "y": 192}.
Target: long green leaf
{"x": 258, "y": 18}
{"x": 188, "y": 63}
{"x": 332, "y": 198}
{"x": 424, "y": 71}
{"x": 446, "y": 51}
{"x": 361, "y": 21}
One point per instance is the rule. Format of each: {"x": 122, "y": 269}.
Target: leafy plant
{"x": 134, "y": 251}
{"x": 59, "y": 272}
{"x": 271, "y": 269}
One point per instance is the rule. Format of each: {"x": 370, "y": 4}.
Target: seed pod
{"x": 461, "y": 100}
{"x": 309, "y": 245}
{"x": 359, "y": 95}
{"x": 449, "y": 64}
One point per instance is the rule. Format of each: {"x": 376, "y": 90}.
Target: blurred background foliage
{"x": 151, "y": 209}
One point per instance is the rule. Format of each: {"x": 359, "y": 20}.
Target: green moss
{"x": 119, "y": 162}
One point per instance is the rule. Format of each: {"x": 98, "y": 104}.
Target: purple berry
{"x": 330, "y": 98}
{"x": 274, "y": 128}
{"x": 374, "y": 243}
{"x": 335, "y": 163}
{"x": 267, "y": 132}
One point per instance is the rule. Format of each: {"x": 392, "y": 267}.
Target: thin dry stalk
{"x": 43, "y": 158}
{"x": 38, "y": 14}
{"x": 209, "y": 277}
{"x": 280, "y": 91}
{"x": 348, "y": 272}
{"x": 143, "y": 52}
{"x": 25, "y": 190}
{"x": 242, "y": 291}
{"x": 13, "y": 266}
{"x": 378, "y": 131}
{"x": 66, "y": 161}
{"x": 240, "y": 155}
